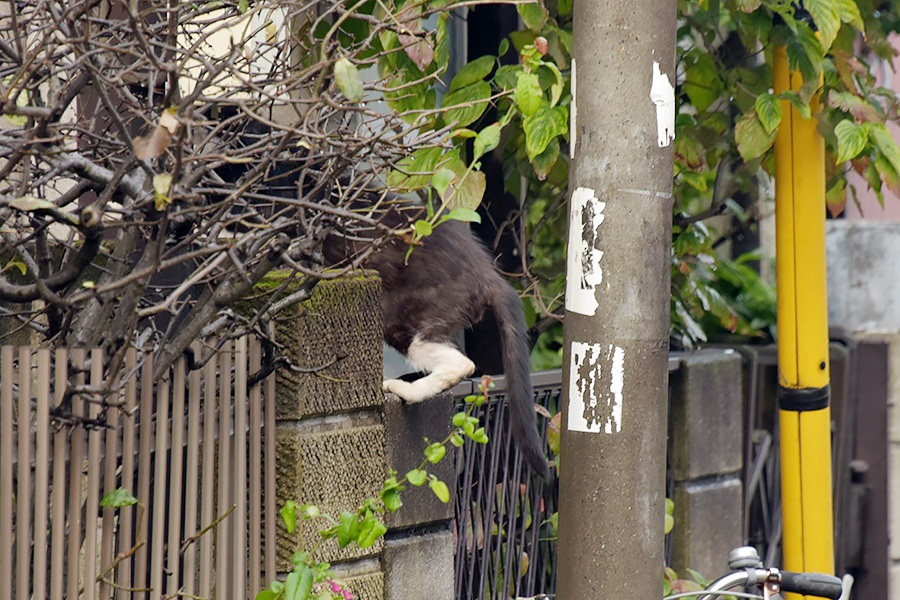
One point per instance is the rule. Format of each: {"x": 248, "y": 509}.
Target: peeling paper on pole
{"x": 583, "y": 272}
{"x": 592, "y": 409}
{"x": 663, "y": 96}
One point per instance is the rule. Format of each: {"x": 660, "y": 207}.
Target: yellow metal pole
{"x": 805, "y": 415}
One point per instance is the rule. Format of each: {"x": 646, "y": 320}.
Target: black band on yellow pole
{"x": 800, "y": 399}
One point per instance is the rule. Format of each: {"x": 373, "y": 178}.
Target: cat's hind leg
{"x": 446, "y": 366}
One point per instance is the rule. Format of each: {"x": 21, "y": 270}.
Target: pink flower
{"x": 339, "y": 591}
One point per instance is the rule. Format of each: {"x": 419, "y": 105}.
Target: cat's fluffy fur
{"x": 447, "y": 284}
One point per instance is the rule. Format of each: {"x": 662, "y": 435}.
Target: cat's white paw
{"x": 404, "y": 389}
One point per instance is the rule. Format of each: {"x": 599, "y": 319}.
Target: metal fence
{"x": 502, "y": 527}
{"x": 503, "y": 535}
{"x": 196, "y": 449}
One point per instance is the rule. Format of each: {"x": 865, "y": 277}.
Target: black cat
{"x": 445, "y": 285}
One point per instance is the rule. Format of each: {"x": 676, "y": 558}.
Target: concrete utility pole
{"x": 612, "y": 472}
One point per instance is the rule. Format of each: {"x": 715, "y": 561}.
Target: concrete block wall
{"x": 705, "y": 453}
{"x": 337, "y": 436}
{"x": 864, "y": 298}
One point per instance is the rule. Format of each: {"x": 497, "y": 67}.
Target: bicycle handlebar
{"x": 811, "y": 584}
{"x": 808, "y": 584}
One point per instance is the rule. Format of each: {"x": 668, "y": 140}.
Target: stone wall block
{"x": 337, "y": 336}
{"x": 335, "y": 463}
{"x": 707, "y": 525}
{"x": 706, "y": 415}
{"x": 419, "y": 567}
{"x": 406, "y": 428}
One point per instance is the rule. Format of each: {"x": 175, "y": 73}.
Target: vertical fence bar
{"x": 41, "y": 473}
{"x": 58, "y": 501}
{"x": 110, "y": 465}
{"x": 192, "y": 475}
{"x": 23, "y": 496}
{"x": 92, "y": 503}
{"x": 269, "y": 509}
{"x": 240, "y": 469}
{"x": 76, "y": 465}
{"x": 176, "y": 476}
{"x": 158, "y": 539}
{"x": 224, "y": 466}
{"x": 7, "y": 357}
{"x": 256, "y": 473}
{"x": 145, "y": 436}
{"x": 207, "y": 511}
{"x": 126, "y": 514}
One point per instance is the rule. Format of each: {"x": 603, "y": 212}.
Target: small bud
{"x": 540, "y": 42}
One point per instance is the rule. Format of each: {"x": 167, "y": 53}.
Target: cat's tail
{"x": 516, "y": 366}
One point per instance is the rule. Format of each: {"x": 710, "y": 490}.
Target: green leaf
{"x": 266, "y": 595}
{"x": 544, "y": 125}
{"x": 695, "y": 180}
{"x": 289, "y": 516}
{"x": 435, "y": 452}
{"x": 534, "y": 14}
{"x": 442, "y": 179}
{"x": 414, "y": 171}
{"x": 466, "y": 189}
{"x": 457, "y": 440}
{"x": 417, "y": 477}
{"x": 874, "y": 180}
{"x": 486, "y": 140}
{"x": 751, "y": 137}
{"x": 422, "y": 228}
{"x": 391, "y": 499}
{"x": 370, "y": 530}
{"x": 347, "y": 77}
{"x": 702, "y": 82}
{"x": 440, "y": 490}
{"x": 348, "y": 530}
{"x": 474, "y": 71}
{"x": 507, "y": 76}
{"x": 853, "y": 104}
{"x": 747, "y": 6}
{"x": 466, "y": 104}
{"x": 804, "y": 53}
{"x": 479, "y": 436}
{"x": 851, "y": 140}
{"x": 299, "y": 585}
{"x": 670, "y": 506}
{"x": 118, "y": 498}
{"x": 798, "y": 103}
{"x": 543, "y": 163}
{"x": 884, "y": 141}
{"x": 849, "y": 13}
{"x": 556, "y": 88}
{"x": 889, "y": 174}
{"x": 826, "y": 18}
{"x": 243, "y": 6}
{"x": 459, "y": 419}
{"x": 669, "y": 524}
{"x": 529, "y": 94}
{"x": 768, "y": 109}
{"x": 462, "y": 214}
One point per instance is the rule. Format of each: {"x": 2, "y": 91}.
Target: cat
{"x": 443, "y": 286}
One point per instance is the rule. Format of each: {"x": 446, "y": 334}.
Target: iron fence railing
{"x": 502, "y": 527}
